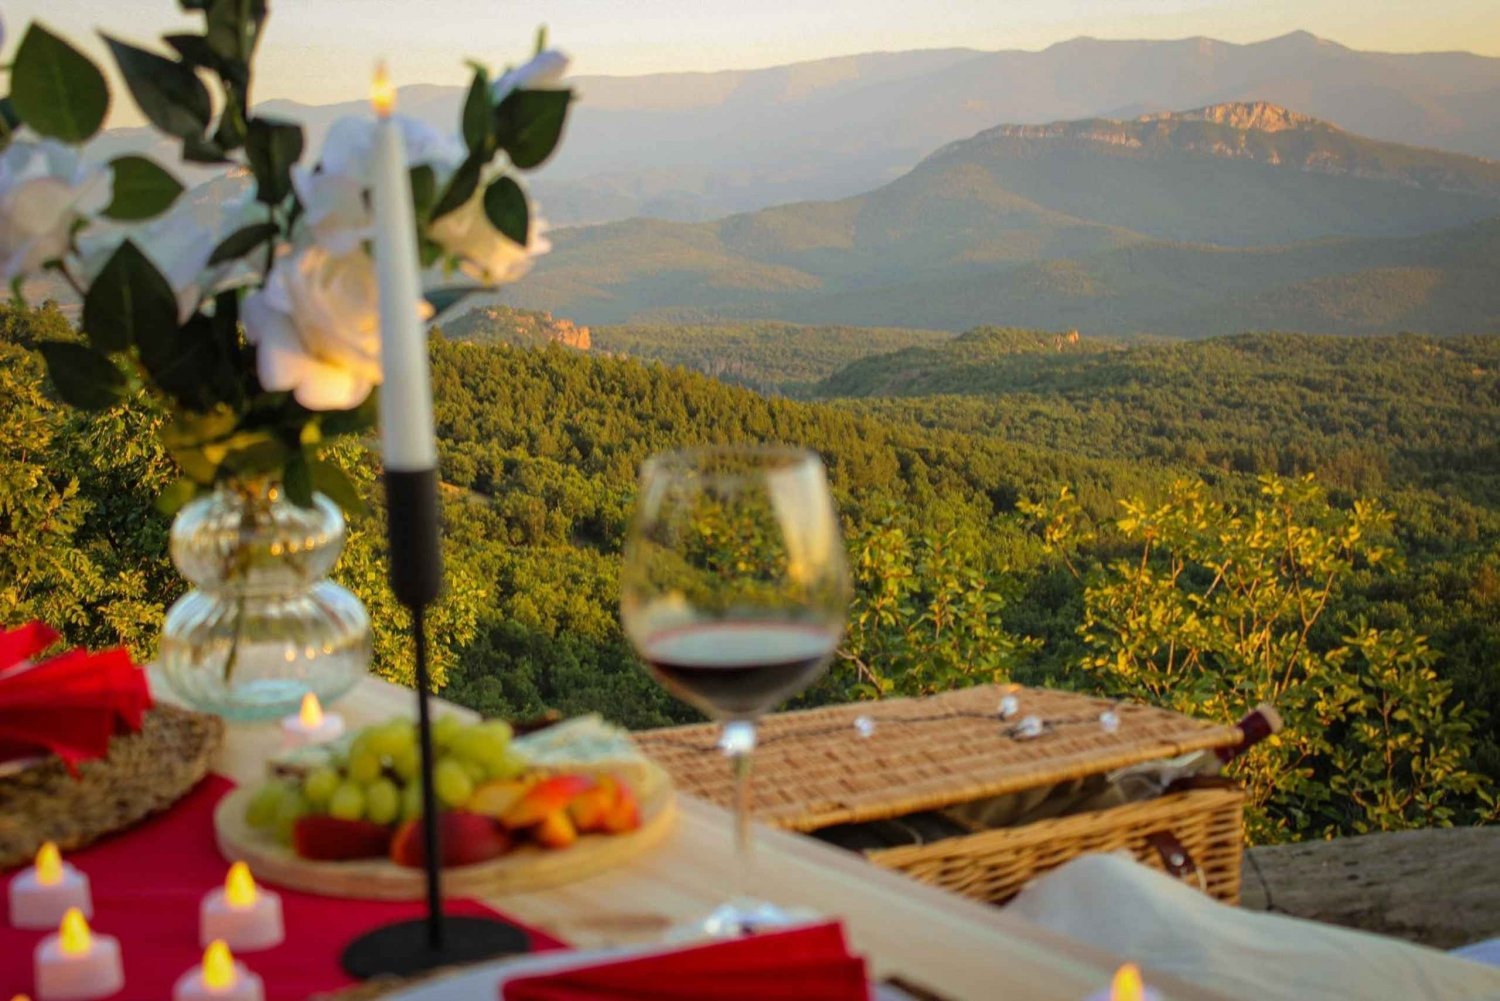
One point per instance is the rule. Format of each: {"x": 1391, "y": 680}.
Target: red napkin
{"x": 69, "y": 705}
{"x": 808, "y": 964}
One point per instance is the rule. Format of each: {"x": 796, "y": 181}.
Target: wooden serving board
{"x": 529, "y": 867}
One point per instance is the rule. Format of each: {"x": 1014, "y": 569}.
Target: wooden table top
{"x": 957, "y": 948}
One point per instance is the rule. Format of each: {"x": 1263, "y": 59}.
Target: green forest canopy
{"x": 539, "y": 453}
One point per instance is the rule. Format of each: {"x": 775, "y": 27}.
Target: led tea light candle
{"x": 219, "y": 978}
{"x": 74, "y": 964}
{"x": 40, "y": 896}
{"x": 1127, "y": 986}
{"x": 312, "y": 725}
{"x": 245, "y": 916}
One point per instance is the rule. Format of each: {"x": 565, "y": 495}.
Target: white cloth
{"x": 1121, "y": 906}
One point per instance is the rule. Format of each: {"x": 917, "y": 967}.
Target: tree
{"x": 1221, "y": 608}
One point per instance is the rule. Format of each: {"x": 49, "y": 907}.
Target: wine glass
{"x": 735, "y": 591}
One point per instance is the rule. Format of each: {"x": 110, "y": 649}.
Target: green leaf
{"x": 529, "y": 123}
{"x": 142, "y": 189}
{"x": 273, "y": 146}
{"x": 329, "y": 479}
{"x": 57, "y": 90}
{"x": 168, "y": 92}
{"x": 423, "y": 191}
{"x": 175, "y": 496}
{"x": 193, "y": 49}
{"x": 505, "y": 204}
{"x": 242, "y": 241}
{"x": 9, "y": 120}
{"x": 296, "y": 478}
{"x": 477, "y": 114}
{"x": 129, "y": 303}
{"x": 461, "y": 187}
{"x": 196, "y": 149}
{"x": 190, "y": 364}
{"x": 84, "y": 378}
{"x": 233, "y": 28}
{"x": 444, "y": 299}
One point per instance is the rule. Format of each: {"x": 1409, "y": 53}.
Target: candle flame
{"x": 49, "y": 870}
{"x": 218, "y": 966}
{"x": 382, "y": 94}
{"x": 311, "y": 713}
{"x": 239, "y": 887}
{"x": 20, "y": 997}
{"x": 1127, "y": 984}
{"x": 73, "y": 936}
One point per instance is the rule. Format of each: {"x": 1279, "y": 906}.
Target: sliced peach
{"x": 625, "y": 814}
{"x": 494, "y": 798}
{"x": 555, "y": 830}
{"x": 589, "y": 808}
{"x": 467, "y": 839}
{"x": 547, "y": 796}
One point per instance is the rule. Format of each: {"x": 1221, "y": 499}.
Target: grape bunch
{"x": 377, "y": 776}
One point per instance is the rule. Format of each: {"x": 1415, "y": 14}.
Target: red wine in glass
{"x": 739, "y": 669}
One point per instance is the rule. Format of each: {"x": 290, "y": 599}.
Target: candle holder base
{"x": 402, "y": 949}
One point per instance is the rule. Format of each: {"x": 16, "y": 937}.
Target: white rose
{"x": 45, "y": 187}
{"x": 334, "y": 206}
{"x": 316, "y": 328}
{"x": 546, "y": 69}
{"x": 486, "y": 254}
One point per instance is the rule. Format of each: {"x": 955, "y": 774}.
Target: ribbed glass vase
{"x": 262, "y": 625}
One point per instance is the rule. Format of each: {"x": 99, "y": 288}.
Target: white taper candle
{"x": 406, "y": 395}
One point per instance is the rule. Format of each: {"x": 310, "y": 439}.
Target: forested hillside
{"x": 977, "y": 555}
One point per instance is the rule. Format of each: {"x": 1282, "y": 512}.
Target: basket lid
{"x": 813, "y": 768}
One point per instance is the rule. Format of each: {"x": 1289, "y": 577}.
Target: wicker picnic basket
{"x": 814, "y": 769}
{"x": 144, "y": 773}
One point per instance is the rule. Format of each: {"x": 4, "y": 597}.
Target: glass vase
{"x": 262, "y": 625}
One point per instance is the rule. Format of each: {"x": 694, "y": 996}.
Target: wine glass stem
{"x": 744, "y": 856}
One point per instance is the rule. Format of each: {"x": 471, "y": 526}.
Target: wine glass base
{"x": 741, "y": 917}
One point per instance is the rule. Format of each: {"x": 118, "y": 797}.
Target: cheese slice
{"x": 590, "y": 746}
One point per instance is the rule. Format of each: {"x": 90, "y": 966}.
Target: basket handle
{"x": 1176, "y": 859}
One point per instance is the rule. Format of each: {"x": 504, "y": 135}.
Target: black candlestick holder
{"x": 435, "y": 940}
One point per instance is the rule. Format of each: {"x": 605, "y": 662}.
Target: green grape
{"x": 445, "y": 729}
{"x": 497, "y": 728}
{"x": 407, "y": 763}
{"x": 390, "y": 739}
{"x": 411, "y": 801}
{"x": 452, "y": 783}
{"x": 289, "y": 810}
{"x": 382, "y": 802}
{"x": 319, "y": 785}
{"x": 364, "y": 765}
{"x": 260, "y": 812}
{"x": 483, "y": 747}
{"x": 477, "y": 772}
{"x": 510, "y": 766}
{"x": 347, "y": 802}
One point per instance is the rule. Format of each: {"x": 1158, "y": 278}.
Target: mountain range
{"x": 1218, "y": 219}
{"x": 694, "y": 146}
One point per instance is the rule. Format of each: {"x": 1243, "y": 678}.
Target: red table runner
{"x": 147, "y": 885}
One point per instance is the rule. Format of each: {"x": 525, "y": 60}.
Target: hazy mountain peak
{"x": 1260, "y": 115}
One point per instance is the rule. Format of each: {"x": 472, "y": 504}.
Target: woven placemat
{"x": 144, "y": 773}
{"x": 813, "y": 769}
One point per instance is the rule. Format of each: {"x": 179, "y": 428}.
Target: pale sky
{"x": 319, "y": 51}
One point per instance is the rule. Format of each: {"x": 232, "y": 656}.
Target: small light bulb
{"x": 311, "y": 713}
{"x": 49, "y": 870}
{"x": 239, "y": 887}
{"x": 73, "y": 936}
{"x": 218, "y": 966}
{"x": 1127, "y": 985}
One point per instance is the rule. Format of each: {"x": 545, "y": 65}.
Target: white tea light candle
{"x": 219, "y": 978}
{"x": 1127, "y": 986}
{"x": 311, "y": 725}
{"x": 246, "y": 917}
{"x": 74, "y": 964}
{"x": 40, "y": 896}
